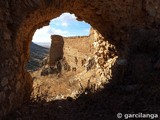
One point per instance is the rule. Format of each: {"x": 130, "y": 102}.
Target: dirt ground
{"x": 70, "y": 98}
{"x": 61, "y": 86}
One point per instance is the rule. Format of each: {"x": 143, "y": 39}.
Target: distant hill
{"x": 44, "y": 44}
{"x": 37, "y": 54}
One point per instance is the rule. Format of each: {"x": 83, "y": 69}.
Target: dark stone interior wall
{"x": 131, "y": 25}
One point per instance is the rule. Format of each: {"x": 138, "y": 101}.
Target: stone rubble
{"x": 104, "y": 58}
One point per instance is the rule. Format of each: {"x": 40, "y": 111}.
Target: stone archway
{"x": 19, "y": 20}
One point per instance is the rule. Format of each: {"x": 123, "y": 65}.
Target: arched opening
{"x": 59, "y": 37}
{"x": 89, "y": 59}
{"x": 35, "y": 18}
{"x": 103, "y": 51}
{"x": 69, "y": 66}
{"x": 65, "y": 25}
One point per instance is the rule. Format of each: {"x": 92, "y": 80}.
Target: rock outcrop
{"x": 105, "y": 56}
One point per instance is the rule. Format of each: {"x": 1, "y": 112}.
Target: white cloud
{"x": 59, "y": 26}
{"x": 53, "y": 31}
{"x": 65, "y": 17}
{"x": 42, "y": 35}
{"x": 64, "y": 24}
{"x": 63, "y": 20}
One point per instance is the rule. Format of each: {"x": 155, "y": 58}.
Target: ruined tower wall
{"x": 76, "y": 49}
{"x": 56, "y": 49}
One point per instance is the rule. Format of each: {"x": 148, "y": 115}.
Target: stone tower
{"x": 56, "y": 49}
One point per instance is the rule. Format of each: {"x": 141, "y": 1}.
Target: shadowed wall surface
{"x": 131, "y": 25}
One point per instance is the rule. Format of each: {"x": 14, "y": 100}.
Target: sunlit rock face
{"x": 56, "y": 49}
{"x": 132, "y": 26}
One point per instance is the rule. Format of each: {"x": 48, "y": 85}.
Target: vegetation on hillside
{"x": 37, "y": 54}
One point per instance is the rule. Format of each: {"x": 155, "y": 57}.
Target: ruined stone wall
{"x": 56, "y": 49}
{"x": 15, "y": 81}
{"x": 82, "y": 43}
{"x": 75, "y": 50}
{"x": 131, "y": 25}
{"x": 78, "y": 49}
{"x": 105, "y": 55}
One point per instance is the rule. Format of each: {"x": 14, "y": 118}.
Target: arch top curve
{"x": 108, "y": 17}
{"x": 40, "y": 15}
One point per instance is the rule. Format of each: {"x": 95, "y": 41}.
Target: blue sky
{"x": 65, "y": 25}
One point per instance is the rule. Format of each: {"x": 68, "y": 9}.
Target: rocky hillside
{"x": 37, "y": 54}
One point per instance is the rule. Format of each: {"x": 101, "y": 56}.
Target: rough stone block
{"x": 4, "y": 82}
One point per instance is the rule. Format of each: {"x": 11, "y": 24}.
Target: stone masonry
{"x": 56, "y": 49}
{"x": 131, "y": 26}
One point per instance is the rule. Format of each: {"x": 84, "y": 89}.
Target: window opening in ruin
{"x": 61, "y": 58}
{"x": 65, "y": 25}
